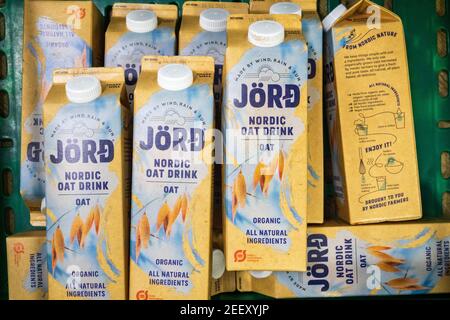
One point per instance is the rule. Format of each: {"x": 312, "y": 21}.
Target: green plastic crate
{"x": 429, "y": 82}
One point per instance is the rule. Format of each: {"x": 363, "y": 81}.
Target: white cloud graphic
{"x": 81, "y": 130}
{"x": 172, "y": 117}
{"x": 267, "y": 74}
{"x": 136, "y": 55}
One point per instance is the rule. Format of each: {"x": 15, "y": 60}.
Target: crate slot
{"x": 389, "y": 4}
{"x": 445, "y": 165}
{"x": 7, "y": 182}
{"x": 108, "y": 13}
{"x": 444, "y": 124}
{"x": 9, "y": 220}
{"x": 443, "y": 83}
{"x": 440, "y": 8}
{"x": 2, "y": 27}
{"x": 442, "y": 43}
{"x": 4, "y": 104}
{"x": 6, "y": 143}
{"x": 3, "y": 65}
{"x": 446, "y": 203}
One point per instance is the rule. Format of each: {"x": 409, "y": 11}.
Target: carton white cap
{"x": 333, "y": 16}
{"x": 214, "y": 19}
{"x": 43, "y": 206}
{"x": 141, "y": 21}
{"x": 83, "y": 89}
{"x": 260, "y": 274}
{"x": 285, "y": 8}
{"x": 175, "y": 77}
{"x": 266, "y": 33}
{"x": 218, "y": 264}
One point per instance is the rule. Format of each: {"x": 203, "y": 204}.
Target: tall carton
{"x": 57, "y": 34}
{"x": 265, "y": 127}
{"x": 313, "y": 33}
{"x": 370, "y": 117}
{"x": 171, "y": 216}
{"x": 87, "y": 152}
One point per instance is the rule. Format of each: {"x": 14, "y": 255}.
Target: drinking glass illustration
{"x": 399, "y": 119}
{"x": 362, "y": 129}
{"x": 381, "y": 183}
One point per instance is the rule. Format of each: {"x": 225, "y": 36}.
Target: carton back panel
{"x": 375, "y": 152}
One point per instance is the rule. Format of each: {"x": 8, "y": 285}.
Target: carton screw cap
{"x": 260, "y": 274}
{"x": 266, "y": 33}
{"x": 218, "y": 264}
{"x": 141, "y": 21}
{"x": 43, "y": 206}
{"x": 333, "y": 16}
{"x": 285, "y": 8}
{"x": 214, "y": 19}
{"x": 175, "y": 77}
{"x": 83, "y": 89}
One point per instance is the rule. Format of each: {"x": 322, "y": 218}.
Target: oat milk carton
{"x": 313, "y": 33}
{"x": 370, "y": 116}
{"x": 265, "y": 127}
{"x": 57, "y": 34}
{"x": 367, "y": 260}
{"x": 27, "y": 266}
{"x": 171, "y": 216}
{"x": 135, "y": 31}
{"x": 87, "y": 151}
{"x": 203, "y": 33}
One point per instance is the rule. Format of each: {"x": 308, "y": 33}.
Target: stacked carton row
{"x": 180, "y": 165}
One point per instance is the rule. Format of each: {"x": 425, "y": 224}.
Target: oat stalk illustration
{"x": 391, "y": 264}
